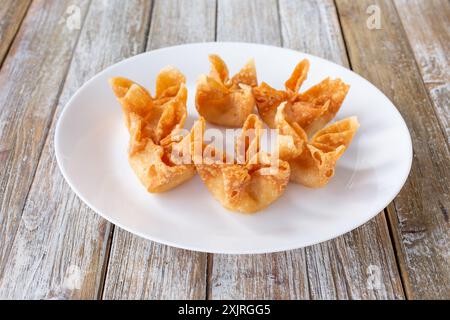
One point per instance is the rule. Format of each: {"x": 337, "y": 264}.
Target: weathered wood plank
{"x": 270, "y": 276}
{"x": 357, "y": 265}
{"x": 138, "y": 268}
{"x": 427, "y": 25}
{"x": 142, "y": 269}
{"x": 61, "y": 246}
{"x": 176, "y": 22}
{"x": 30, "y": 79}
{"x": 12, "y": 13}
{"x": 340, "y": 268}
{"x": 336, "y": 269}
{"x": 248, "y": 21}
{"x": 418, "y": 216}
{"x": 312, "y": 26}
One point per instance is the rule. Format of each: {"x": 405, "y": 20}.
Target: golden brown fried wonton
{"x": 313, "y": 162}
{"x": 311, "y": 109}
{"x": 249, "y": 183}
{"x": 224, "y": 101}
{"x": 151, "y": 123}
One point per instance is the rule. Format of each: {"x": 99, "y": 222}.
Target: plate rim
{"x": 333, "y": 235}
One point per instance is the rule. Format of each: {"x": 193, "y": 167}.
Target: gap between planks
{"x": 384, "y": 212}
{"x": 51, "y": 115}
{"x": 113, "y": 227}
{"x": 53, "y": 111}
{"x": 262, "y": 267}
{"x": 46, "y": 278}
{"x": 418, "y": 67}
{"x": 4, "y": 51}
{"x": 416, "y": 207}
{"x": 146, "y": 37}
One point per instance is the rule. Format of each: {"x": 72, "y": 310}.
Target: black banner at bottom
{"x": 214, "y": 309}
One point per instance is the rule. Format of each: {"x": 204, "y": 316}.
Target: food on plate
{"x": 153, "y": 123}
{"x": 311, "y": 109}
{"x": 312, "y": 161}
{"x": 224, "y": 101}
{"x": 248, "y": 183}
{"x": 162, "y": 157}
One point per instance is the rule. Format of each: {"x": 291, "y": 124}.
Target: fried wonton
{"x": 311, "y": 109}
{"x": 152, "y": 124}
{"x": 248, "y": 183}
{"x": 224, "y": 101}
{"x": 313, "y": 161}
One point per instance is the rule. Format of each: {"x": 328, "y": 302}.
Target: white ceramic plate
{"x": 91, "y": 149}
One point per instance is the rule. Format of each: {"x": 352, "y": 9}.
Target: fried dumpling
{"x": 252, "y": 181}
{"x": 153, "y": 163}
{"x": 224, "y": 101}
{"x": 161, "y": 115}
{"x": 313, "y": 162}
{"x": 152, "y": 124}
{"x": 311, "y": 109}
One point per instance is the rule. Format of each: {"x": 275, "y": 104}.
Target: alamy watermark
{"x": 230, "y": 146}
{"x": 72, "y": 17}
{"x": 374, "y": 19}
{"x": 373, "y": 277}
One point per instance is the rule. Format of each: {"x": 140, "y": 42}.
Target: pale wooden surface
{"x": 11, "y": 16}
{"x": 53, "y": 246}
{"x": 427, "y": 25}
{"x": 30, "y": 80}
{"x": 152, "y": 270}
{"x": 61, "y": 246}
{"x": 312, "y": 272}
{"x": 418, "y": 216}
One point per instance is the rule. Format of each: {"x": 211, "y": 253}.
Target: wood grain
{"x": 12, "y": 13}
{"x": 142, "y": 269}
{"x": 53, "y": 247}
{"x": 248, "y": 21}
{"x": 312, "y": 26}
{"x": 271, "y": 276}
{"x": 358, "y": 265}
{"x": 30, "y": 82}
{"x": 419, "y": 215}
{"x": 263, "y": 276}
{"x": 177, "y": 21}
{"x": 340, "y": 268}
{"x": 60, "y": 247}
{"x": 138, "y": 268}
{"x": 427, "y": 26}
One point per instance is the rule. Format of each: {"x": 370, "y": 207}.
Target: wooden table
{"x": 54, "y": 246}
